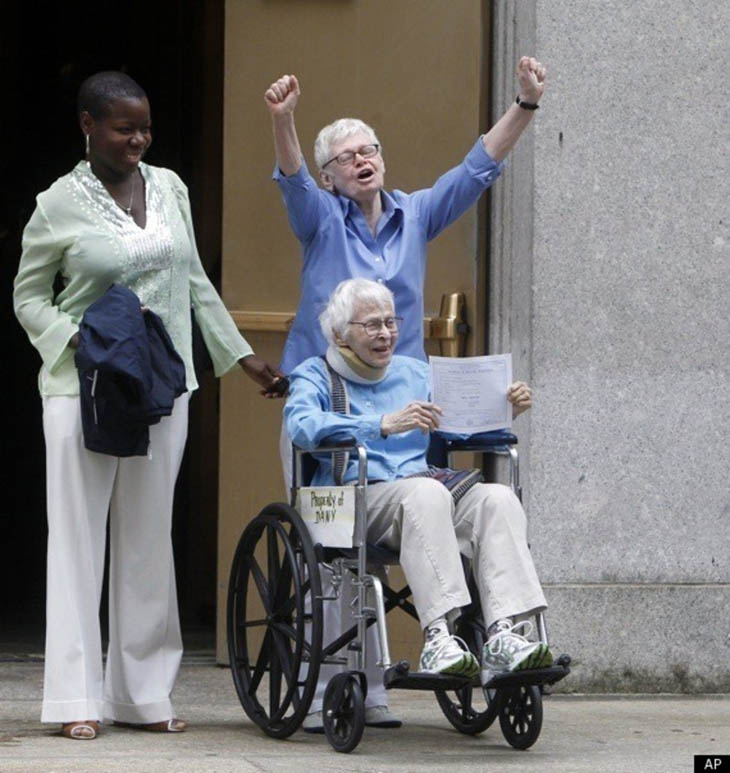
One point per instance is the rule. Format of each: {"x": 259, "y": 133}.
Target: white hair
{"x": 337, "y": 131}
{"x": 345, "y": 298}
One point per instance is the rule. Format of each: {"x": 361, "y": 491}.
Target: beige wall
{"x": 414, "y": 69}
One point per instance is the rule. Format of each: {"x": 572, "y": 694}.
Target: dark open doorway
{"x": 174, "y": 49}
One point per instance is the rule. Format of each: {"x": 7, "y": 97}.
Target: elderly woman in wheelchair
{"x": 377, "y": 402}
{"x": 391, "y": 414}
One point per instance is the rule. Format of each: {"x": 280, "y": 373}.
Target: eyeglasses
{"x": 346, "y": 158}
{"x": 372, "y": 326}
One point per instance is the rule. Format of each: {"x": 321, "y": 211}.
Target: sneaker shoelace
{"x": 448, "y": 639}
{"x": 504, "y": 629}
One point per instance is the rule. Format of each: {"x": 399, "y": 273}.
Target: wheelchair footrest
{"x": 402, "y": 679}
{"x": 537, "y": 676}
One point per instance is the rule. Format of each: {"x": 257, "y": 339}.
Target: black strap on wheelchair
{"x": 340, "y": 404}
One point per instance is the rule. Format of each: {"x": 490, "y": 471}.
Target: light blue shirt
{"x": 309, "y": 418}
{"x": 337, "y": 244}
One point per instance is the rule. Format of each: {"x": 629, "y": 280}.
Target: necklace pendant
{"x": 128, "y": 210}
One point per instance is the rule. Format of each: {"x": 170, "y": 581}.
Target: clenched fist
{"x": 281, "y": 97}
{"x": 531, "y": 75}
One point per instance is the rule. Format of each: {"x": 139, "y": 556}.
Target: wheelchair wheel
{"x": 520, "y": 714}
{"x": 274, "y": 620}
{"x": 471, "y": 710}
{"x": 343, "y": 712}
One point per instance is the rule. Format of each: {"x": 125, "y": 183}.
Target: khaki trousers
{"x": 417, "y": 516}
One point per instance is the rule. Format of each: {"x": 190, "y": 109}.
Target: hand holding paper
{"x": 416, "y": 415}
{"x": 520, "y": 395}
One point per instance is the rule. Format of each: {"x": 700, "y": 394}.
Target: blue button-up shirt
{"x": 337, "y": 244}
{"x": 309, "y": 418}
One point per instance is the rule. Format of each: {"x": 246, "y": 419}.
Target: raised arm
{"x": 281, "y": 98}
{"x": 503, "y": 136}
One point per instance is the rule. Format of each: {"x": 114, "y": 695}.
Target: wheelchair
{"x": 275, "y": 628}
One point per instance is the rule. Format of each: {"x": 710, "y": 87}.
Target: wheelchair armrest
{"x": 328, "y": 446}
{"x": 482, "y": 441}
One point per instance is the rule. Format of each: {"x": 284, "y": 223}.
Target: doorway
{"x": 174, "y": 49}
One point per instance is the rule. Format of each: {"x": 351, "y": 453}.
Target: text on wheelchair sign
{"x": 326, "y": 504}
{"x": 329, "y": 513}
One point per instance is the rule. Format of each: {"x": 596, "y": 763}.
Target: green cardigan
{"x": 78, "y": 230}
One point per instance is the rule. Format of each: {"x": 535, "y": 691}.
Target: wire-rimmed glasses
{"x": 348, "y": 156}
{"x": 372, "y": 326}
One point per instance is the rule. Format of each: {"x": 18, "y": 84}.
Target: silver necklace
{"x": 128, "y": 209}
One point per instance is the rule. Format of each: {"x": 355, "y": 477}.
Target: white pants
{"x": 145, "y": 646}
{"x": 336, "y": 615}
{"x": 417, "y": 516}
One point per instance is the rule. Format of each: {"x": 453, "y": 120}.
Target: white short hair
{"x": 343, "y": 301}
{"x": 337, "y": 131}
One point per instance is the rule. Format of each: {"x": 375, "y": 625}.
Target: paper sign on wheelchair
{"x": 472, "y": 392}
{"x": 329, "y": 512}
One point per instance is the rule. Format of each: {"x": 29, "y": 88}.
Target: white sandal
{"x": 80, "y": 731}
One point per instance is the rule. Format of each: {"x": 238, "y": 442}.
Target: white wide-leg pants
{"x": 337, "y": 615}
{"x": 145, "y": 646}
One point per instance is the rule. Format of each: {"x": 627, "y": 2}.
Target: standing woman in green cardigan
{"x": 115, "y": 219}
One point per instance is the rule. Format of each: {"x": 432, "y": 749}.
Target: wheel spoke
{"x": 260, "y": 580}
{"x": 287, "y": 607}
{"x": 280, "y": 593}
{"x": 252, "y": 624}
{"x": 285, "y": 658}
{"x": 288, "y": 630}
{"x": 274, "y": 685}
{"x": 261, "y": 664}
{"x": 284, "y": 653}
{"x": 272, "y": 552}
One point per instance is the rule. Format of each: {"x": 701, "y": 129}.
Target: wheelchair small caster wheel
{"x": 520, "y": 715}
{"x": 343, "y": 712}
{"x": 470, "y": 709}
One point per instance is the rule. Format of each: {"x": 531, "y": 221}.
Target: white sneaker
{"x": 313, "y": 722}
{"x": 507, "y": 651}
{"x": 380, "y": 716}
{"x": 375, "y": 716}
{"x": 446, "y": 654}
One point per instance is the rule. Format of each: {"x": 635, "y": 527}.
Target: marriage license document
{"x": 472, "y": 392}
